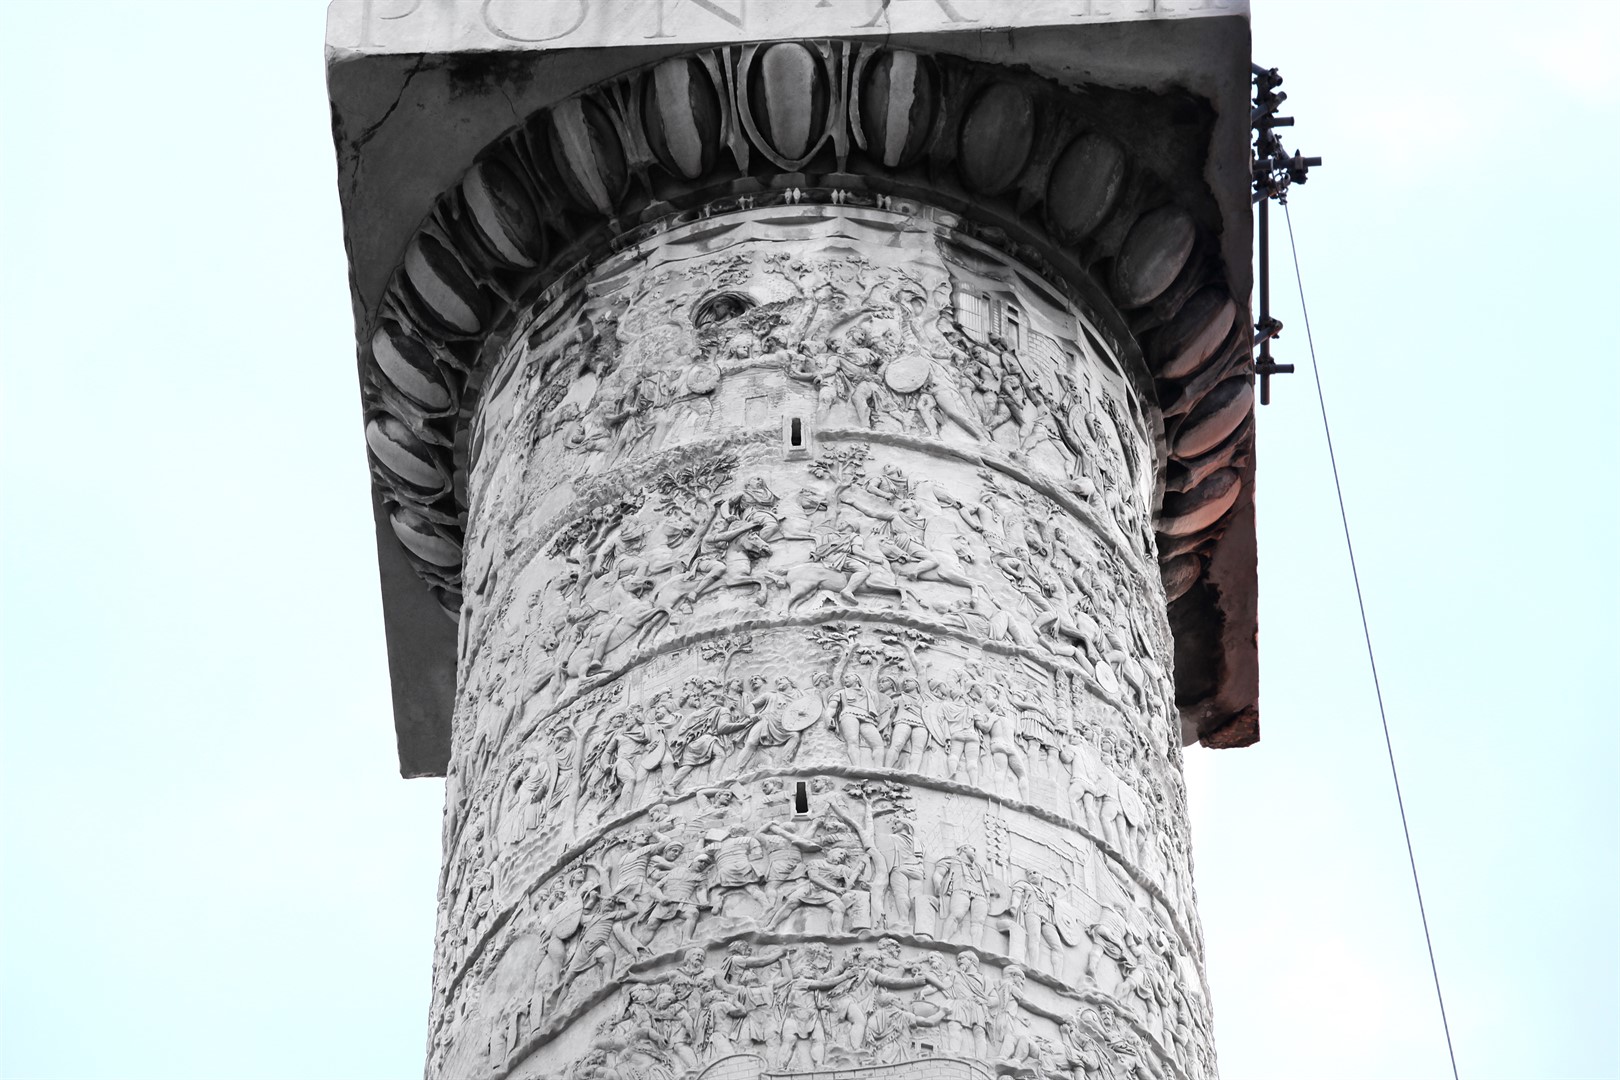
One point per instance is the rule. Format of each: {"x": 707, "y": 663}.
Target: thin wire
{"x": 1366, "y": 633}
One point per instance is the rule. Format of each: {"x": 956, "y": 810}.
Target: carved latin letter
{"x": 581, "y": 7}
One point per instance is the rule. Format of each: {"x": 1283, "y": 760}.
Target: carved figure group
{"x": 899, "y": 701}
{"x": 706, "y": 679}
{"x": 832, "y": 861}
{"x": 881, "y": 348}
{"x": 656, "y": 562}
{"x": 801, "y": 1008}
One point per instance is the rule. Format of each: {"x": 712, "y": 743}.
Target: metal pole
{"x": 1264, "y": 364}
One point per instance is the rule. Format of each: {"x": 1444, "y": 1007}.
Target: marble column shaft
{"x": 814, "y": 703}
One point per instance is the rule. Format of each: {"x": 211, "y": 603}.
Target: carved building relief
{"x": 815, "y": 696}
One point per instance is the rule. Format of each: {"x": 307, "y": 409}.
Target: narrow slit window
{"x": 796, "y": 435}
{"x": 801, "y": 798}
{"x": 1012, "y": 327}
{"x": 973, "y": 313}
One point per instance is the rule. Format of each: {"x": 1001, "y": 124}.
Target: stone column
{"x": 834, "y": 458}
{"x": 813, "y": 702}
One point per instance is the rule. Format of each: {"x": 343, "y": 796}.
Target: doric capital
{"x": 492, "y": 153}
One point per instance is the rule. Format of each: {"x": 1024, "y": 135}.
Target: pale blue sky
{"x": 208, "y": 866}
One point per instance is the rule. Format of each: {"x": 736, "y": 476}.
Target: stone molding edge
{"x": 1014, "y": 152}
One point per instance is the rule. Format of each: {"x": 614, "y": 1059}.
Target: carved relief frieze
{"x": 947, "y": 346}
{"x": 995, "y": 929}
{"x": 848, "y": 696}
{"x": 813, "y": 634}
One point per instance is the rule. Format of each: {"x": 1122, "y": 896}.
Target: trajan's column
{"x": 811, "y": 445}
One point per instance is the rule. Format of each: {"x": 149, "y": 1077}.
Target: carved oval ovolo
{"x": 504, "y": 214}
{"x": 899, "y": 99}
{"x": 1183, "y": 346}
{"x": 1153, "y": 254}
{"x": 1217, "y": 415}
{"x": 446, "y": 293}
{"x": 1084, "y": 185}
{"x": 998, "y": 134}
{"x": 403, "y": 454}
{"x": 681, "y": 109}
{"x": 1191, "y": 512}
{"x": 424, "y": 538}
{"x": 1187, "y": 473}
{"x": 588, "y": 154}
{"x": 410, "y": 367}
{"x": 1179, "y": 574}
{"x": 788, "y": 99}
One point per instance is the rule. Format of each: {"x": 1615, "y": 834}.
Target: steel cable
{"x": 1366, "y": 633}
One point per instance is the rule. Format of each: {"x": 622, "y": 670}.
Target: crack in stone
{"x": 371, "y": 130}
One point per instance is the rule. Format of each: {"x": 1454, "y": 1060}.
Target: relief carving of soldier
{"x": 768, "y": 720}
{"x": 963, "y": 885}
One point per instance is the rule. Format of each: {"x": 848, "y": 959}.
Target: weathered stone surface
{"x": 1085, "y": 182}
{"x": 1179, "y": 574}
{"x": 1188, "y": 342}
{"x": 899, "y": 99}
{"x": 411, "y": 369}
{"x": 788, "y": 101}
{"x": 1155, "y": 250}
{"x": 588, "y": 155}
{"x": 1217, "y": 415}
{"x": 504, "y": 214}
{"x": 1189, "y": 512}
{"x": 997, "y": 137}
{"x": 683, "y": 117}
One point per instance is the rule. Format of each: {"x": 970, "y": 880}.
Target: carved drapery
{"x": 1065, "y": 181}
{"x": 814, "y": 699}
